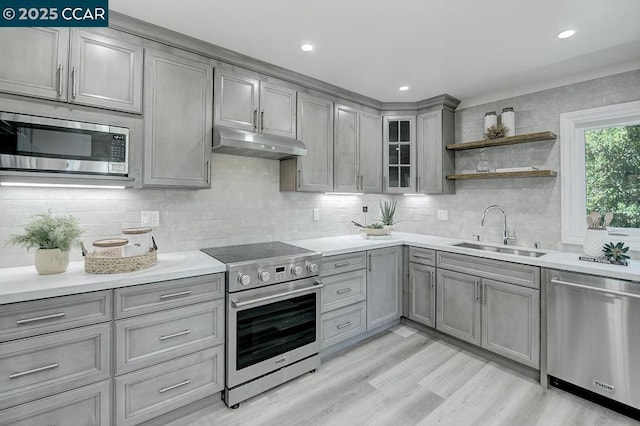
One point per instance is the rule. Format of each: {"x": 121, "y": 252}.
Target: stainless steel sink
{"x": 502, "y": 249}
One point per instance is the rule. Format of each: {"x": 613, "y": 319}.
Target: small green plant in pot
{"x": 53, "y": 237}
{"x": 387, "y": 211}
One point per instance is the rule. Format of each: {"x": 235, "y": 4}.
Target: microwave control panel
{"x": 118, "y": 151}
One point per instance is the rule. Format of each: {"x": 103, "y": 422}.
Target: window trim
{"x": 572, "y": 163}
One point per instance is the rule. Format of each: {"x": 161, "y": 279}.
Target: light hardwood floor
{"x": 404, "y": 377}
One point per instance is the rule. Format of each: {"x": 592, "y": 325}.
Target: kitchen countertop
{"x": 566, "y": 261}
{"x": 23, "y": 283}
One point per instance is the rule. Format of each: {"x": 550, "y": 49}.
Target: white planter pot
{"x": 51, "y": 261}
{"x": 594, "y": 240}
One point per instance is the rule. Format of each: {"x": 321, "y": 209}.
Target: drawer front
{"x": 41, "y": 366}
{"x": 150, "y": 392}
{"x": 149, "y": 339}
{"x": 25, "y": 319}
{"x": 343, "y": 263}
{"x": 88, "y": 405}
{"x": 344, "y": 289}
{"x": 515, "y": 273}
{"x": 146, "y": 298}
{"x": 422, "y": 256}
{"x": 344, "y": 323}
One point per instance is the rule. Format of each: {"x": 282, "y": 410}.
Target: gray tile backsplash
{"x": 244, "y": 204}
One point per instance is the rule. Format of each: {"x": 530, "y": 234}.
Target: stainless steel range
{"x": 273, "y": 316}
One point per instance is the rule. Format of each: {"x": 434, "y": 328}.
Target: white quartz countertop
{"x": 24, "y": 283}
{"x": 566, "y": 261}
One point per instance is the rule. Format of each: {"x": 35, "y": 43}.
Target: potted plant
{"x": 387, "y": 211}
{"x": 53, "y": 237}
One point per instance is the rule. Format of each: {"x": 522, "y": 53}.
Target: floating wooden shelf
{"x": 509, "y": 140}
{"x": 534, "y": 173}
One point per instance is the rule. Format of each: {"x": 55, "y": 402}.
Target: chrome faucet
{"x": 506, "y": 236}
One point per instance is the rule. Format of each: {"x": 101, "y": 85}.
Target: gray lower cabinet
{"x": 177, "y": 120}
{"x": 384, "y": 289}
{"x": 43, "y": 365}
{"x": 422, "y": 294}
{"x": 100, "y": 69}
{"x": 34, "y": 62}
{"x": 343, "y": 323}
{"x": 153, "y": 391}
{"x": 86, "y": 406}
{"x": 511, "y": 321}
{"x": 312, "y": 172}
{"x": 435, "y": 162}
{"x": 458, "y": 306}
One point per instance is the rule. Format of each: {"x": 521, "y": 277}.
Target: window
{"x": 601, "y": 170}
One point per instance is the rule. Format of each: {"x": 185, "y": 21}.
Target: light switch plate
{"x": 443, "y": 214}
{"x": 316, "y": 214}
{"x": 150, "y": 218}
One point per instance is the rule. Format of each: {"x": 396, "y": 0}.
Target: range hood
{"x": 248, "y": 144}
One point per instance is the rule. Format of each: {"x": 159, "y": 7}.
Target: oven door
{"x": 271, "y": 327}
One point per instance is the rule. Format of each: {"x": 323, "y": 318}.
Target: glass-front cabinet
{"x": 399, "y": 153}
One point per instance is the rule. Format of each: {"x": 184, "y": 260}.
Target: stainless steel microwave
{"x": 30, "y": 143}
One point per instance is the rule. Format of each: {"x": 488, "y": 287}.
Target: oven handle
{"x": 236, "y": 304}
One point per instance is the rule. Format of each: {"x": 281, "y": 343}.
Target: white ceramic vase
{"x": 51, "y": 261}
{"x": 594, "y": 240}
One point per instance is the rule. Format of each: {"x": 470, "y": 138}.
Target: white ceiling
{"x": 475, "y": 50}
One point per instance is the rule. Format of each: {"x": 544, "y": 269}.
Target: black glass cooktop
{"x": 254, "y": 252}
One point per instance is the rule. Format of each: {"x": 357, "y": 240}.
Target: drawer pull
{"x": 35, "y": 370}
{"x": 42, "y": 318}
{"x": 418, "y": 256}
{"x": 341, "y": 264}
{"x": 177, "y": 385}
{"x": 172, "y": 295}
{"x": 346, "y": 324}
{"x": 178, "y": 334}
{"x": 344, "y": 290}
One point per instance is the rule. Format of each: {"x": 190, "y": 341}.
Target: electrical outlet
{"x": 365, "y": 209}
{"x": 443, "y": 214}
{"x": 150, "y": 218}
{"x": 316, "y": 214}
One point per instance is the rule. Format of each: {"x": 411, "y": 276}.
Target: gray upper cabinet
{"x": 435, "y": 162}
{"x": 34, "y": 62}
{"x": 357, "y": 151}
{"x": 177, "y": 120}
{"x": 105, "y": 72}
{"x": 458, "y": 306}
{"x": 399, "y": 146}
{"x": 384, "y": 289}
{"x": 370, "y": 153}
{"x": 74, "y": 66}
{"x": 422, "y": 294}
{"x": 236, "y": 100}
{"x": 312, "y": 172}
{"x": 244, "y": 102}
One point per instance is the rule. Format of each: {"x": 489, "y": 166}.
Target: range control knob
{"x": 264, "y": 276}
{"x": 312, "y": 268}
{"x": 244, "y": 279}
{"x": 296, "y": 270}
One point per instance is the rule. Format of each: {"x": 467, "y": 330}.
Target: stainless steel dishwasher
{"x": 593, "y": 334}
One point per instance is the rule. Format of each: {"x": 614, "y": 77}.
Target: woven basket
{"x": 118, "y": 265}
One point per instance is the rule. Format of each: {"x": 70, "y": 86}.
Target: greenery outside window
{"x": 601, "y": 170}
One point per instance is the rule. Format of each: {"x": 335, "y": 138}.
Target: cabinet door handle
{"x": 362, "y": 183}
{"x": 177, "y": 385}
{"x": 484, "y": 293}
{"x": 60, "y": 81}
{"x": 476, "y": 291}
{"x": 344, "y": 290}
{"x": 261, "y": 121}
{"x": 299, "y": 178}
{"x": 173, "y": 295}
{"x": 255, "y": 119}
{"x": 208, "y": 171}
{"x": 369, "y": 263}
{"x": 433, "y": 279}
{"x": 341, "y": 264}
{"x": 35, "y": 370}
{"x": 74, "y": 71}
{"x": 178, "y": 334}
{"x": 42, "y": 318}
{"x": 346, "y": 324}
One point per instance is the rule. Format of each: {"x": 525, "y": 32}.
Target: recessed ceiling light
{"x": 403, "y": 88}
{"x": 307, "y": 47}
{"x": 566, "y": 33}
